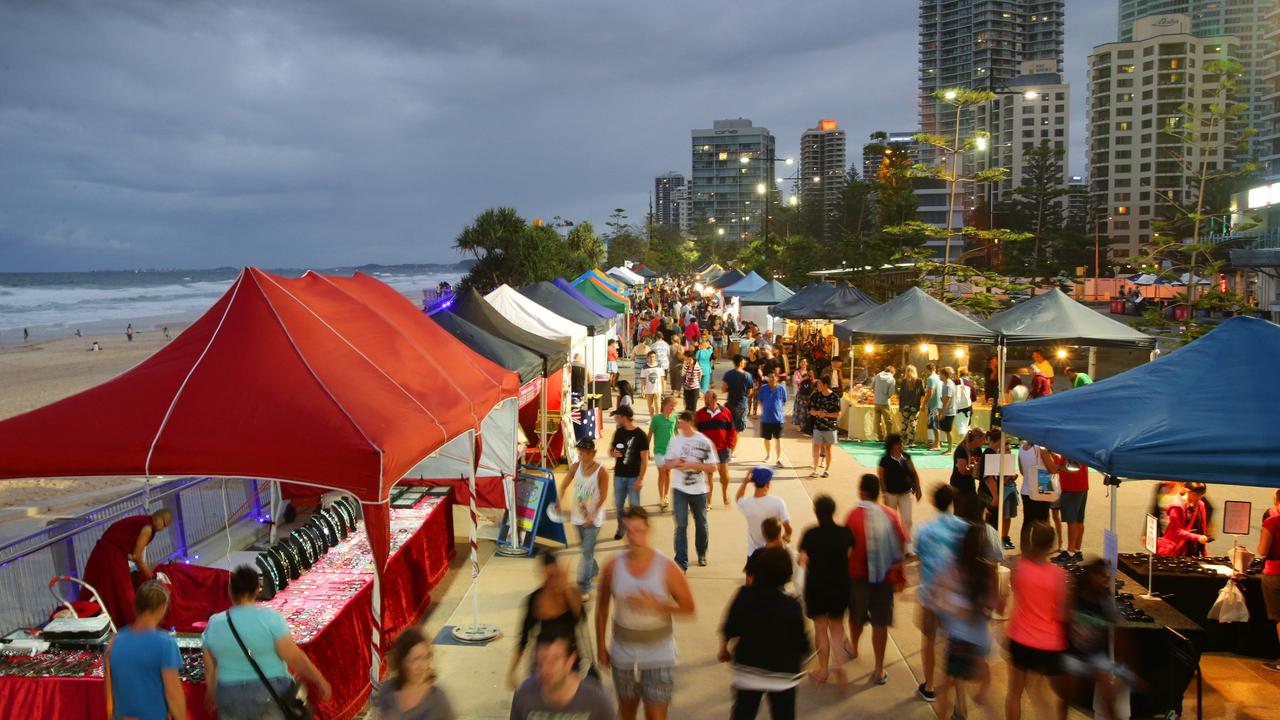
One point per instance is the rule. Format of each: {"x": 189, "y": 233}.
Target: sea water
{"x": 52, "y": 305}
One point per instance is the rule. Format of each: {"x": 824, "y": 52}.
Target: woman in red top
{"x": 1037, "y": 625}
{"x": 1188, "y": 527}
{"x": 107, "y": 569}
{"x": 1269, "y": 550}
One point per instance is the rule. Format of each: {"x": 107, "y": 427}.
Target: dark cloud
{"x": 150, "y": 134}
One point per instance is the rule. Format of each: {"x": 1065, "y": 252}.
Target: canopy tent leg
{"x": 475, "y": 632}
{"x": 543, "y": 444}
{"x": 1000, "y": 353}
{"x": 1113, "y": 484}
{"x": 1093, "y": 363}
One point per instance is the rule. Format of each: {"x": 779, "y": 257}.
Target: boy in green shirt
{"x": 1077, "y": 379}
{"x": 661, "y": 428}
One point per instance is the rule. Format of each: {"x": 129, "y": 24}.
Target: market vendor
{"x": 107, "y": 570}
{"x": 1188, "y": 529}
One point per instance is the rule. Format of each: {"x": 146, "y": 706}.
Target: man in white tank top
{"x": 650, "y": 590}
{"x": 590, "y": 484}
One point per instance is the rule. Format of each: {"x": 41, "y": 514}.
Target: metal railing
{"x": 28, "y": 563}
{"x": 1253, "y": 239}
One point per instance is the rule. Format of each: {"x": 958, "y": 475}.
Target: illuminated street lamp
{"x": 760, "y": 188}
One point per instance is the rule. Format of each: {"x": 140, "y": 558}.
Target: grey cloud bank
{"x": 197, "y": 134}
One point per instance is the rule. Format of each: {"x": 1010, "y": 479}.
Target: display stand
{"x": 535, "y": 492}
{"x": 1149, "y": 540}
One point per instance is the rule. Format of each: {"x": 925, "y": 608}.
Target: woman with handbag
{"x": 248, "y": 656}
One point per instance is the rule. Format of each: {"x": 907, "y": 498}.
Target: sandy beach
{"x": 38, "y": 373}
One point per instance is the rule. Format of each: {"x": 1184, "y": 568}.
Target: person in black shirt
{"x": 738, "y": 383}
{"x": 824, "y": 408}
{"x": 899, "y": 481}
{"x": 967, "y": 462}
{"x": 824, "y": 553}
{"x": 555, "y": 607}
{"x": 630, "y": 450}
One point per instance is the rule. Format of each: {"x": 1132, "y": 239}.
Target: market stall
{"x": 599, "y": 329}
{"x": 1124, "y": 426}
{"x": 757, "y": 307}
{"x": 888, "y": 334}
{"x": 333, "y": 383}
{"x": 542, "y": 418}
{"x": 625, "y": 276}
{"x": 725, "y": 279}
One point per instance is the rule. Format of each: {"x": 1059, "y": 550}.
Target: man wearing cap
{"x": 716, "y": 422}
{"x": 630, "y": 450}
{"x": 761, "y": 505}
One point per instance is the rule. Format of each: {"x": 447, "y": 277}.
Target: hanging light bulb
{"x": 869, "y": 348}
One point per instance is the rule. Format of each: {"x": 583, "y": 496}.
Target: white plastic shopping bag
{"x": 1230, "y": 605}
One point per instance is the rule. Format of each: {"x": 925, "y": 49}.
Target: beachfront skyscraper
{"x": 1137, "y": 89}
{"x": 732, "y": 169}
{"x": 1033, "y": 107}
{"x": 1253, "y": 23}
{"x": 980, "y": 44}
{"x": 671, "y": 201}
{"x": 822, "y": 171}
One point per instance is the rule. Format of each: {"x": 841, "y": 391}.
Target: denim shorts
{"x": 249, "y": 700}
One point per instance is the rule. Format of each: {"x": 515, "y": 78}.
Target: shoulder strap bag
{"x": 293, "y": 707}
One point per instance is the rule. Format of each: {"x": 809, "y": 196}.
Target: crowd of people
{"x": 844, "y": 572}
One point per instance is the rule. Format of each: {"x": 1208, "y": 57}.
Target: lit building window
{"x": 1122, "y": 209}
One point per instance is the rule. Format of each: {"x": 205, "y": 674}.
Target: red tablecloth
{"x": 338, "y": 643}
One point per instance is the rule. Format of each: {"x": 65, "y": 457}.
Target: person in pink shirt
{"x": 691, "y": 331}
{"x": 1188, "y": 529}
{"x": 1269, "y": 551}
{"x": 1037, "y": 625}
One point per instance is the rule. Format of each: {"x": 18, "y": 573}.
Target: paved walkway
{"x": 475, "y": 677}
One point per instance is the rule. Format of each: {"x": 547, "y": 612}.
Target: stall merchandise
{"x": 327, "y": 610}
{"x": 1191, "y": 586}
{"x": 857, "y": 420}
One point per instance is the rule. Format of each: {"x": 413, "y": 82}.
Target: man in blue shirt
{"x": 935, "y": 543}
{"x": 772, "y": 397}
{"x": 141, "y": 674}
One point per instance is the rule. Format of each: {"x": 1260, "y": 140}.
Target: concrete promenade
{"x": 475, "y": 677}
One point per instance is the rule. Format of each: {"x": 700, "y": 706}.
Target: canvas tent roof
{"x": 298, "y": 380}
{"x": 626, "y": 275}
{"x": 1121, "y": 426}
{"x": 534, "y": 317}
{"x": 747, "y": 285}
{"x": 603, "y": 279}
{"x": 772, "y": 293}
{"x": 556, "y": 300}
{"x": 1053, "y": 316}
{"x": 473, "y": 308}
{"x": 644, "y": 271}
{"x": 912, "y": 317}
{"x": 601, "y": 293}
{"x": 804, "y": 297}
{"x": 526, "y": 363}
{"x": 587, "y": 302}
{"x": 727, "y": 278}
{"x": 843, "y": 303}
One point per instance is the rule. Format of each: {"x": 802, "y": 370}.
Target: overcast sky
{"x": 310, "y": 133}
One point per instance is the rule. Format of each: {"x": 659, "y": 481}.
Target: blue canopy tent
{"x": 1128, "y": 425}
{"x": 796, "y": 305}
{"x": 747, "y": 285}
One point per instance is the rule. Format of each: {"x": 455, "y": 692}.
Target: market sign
{"x": 530, "y": 390}
{"x": 1264, "y": 196}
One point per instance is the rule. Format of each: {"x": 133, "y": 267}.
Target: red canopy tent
{"x": 334, "y": 383}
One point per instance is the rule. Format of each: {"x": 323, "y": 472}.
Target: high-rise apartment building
{"x": 980, "y": 44}
{"x": 873, "y": 151}
{"x": 732, "y": 169}
{"x": 669, "y": 193}
{"x": 1245, "y": 20}
{"x": 1136, "y": 90}
{"x": 1268, "y": 143}
{"x": 1031, "y": 108}
{"x": 822, "y": 171}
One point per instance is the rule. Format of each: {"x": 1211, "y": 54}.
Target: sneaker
{"x": 779, "y": 464}
{"x": 880, "y": 679}
{"x": 813, "y": 474}
{"x": 702, "y": 561}
{"x": 925, "y": 695}
{"x": 1062, "y": 557}
{"x": 618, "y": 535}
{"x": 1078, "y": 557}
{"x": 826, "y": 473}
{"x": 1008, "y": 544}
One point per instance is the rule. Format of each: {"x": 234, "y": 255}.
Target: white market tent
{"x": 625, "y": 275}
{"x": 538, "y": 320}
